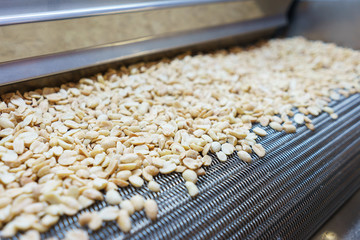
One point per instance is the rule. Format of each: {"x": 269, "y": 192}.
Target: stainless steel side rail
{"x": 92, "y": 60}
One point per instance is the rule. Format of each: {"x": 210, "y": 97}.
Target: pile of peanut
{"x": 64, "y": 148}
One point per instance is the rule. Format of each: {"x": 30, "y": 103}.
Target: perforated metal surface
{"x": 302, "y": 180}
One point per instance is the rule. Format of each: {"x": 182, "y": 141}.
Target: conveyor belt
{"x": 287, "y": 194}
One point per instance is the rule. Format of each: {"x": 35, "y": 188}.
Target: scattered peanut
{"x": 109, "y": 213}
{"x": 61, "y": 147}
{"x": 128, "y": 206}
{"x": 244, "y": 156}
{"x": 221, "y": 156}
{"x": 31, "y": 235}
{"x": 258, "y": 149}
{"x": 189, "y": 175}
{"x": 77, "y": 234}
{"x": 259, "y": 131}
{"x": 215, "y": 147}
{"x": 138, "y": 202}
{"x": 192, "y": 188}
{"x": 95, "y": 222}
{"x": 151, "y": 209}
{"x": 227, "y": 148}
{"x": 124, "y": 221}
{"x": 113, "y": 197}
{"x": 289, "y": 128}
{"x": 154, "y": 186}
{"x": 299, "y": 118}
{"x": 276, "y": 126}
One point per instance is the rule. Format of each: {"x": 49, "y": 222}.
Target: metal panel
{"x": 78, "y": 28}
{"x": 13, "y": 72}
{"x": 32, "y": 47}
{"x": 14, "y": 12}
{"x": 330, "y": 21}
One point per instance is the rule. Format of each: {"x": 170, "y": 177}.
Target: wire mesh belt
{"x": 287, "y": 194}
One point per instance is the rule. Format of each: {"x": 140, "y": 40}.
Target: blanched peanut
{"x": 77, "y": 234}
{"x": 189, "y": 175}
{"x": 259, "y": 131}
{"x": 128, "y": 206}
{"x": 151, "y": 209}
{"x": 221, "y": 156}
{"x": 136, "y": 181}
{"x": 154, "y": 186}
{"x": 124, "y": 221}
{"x": 259, "y": 150}
{"x": 95, "y": 222}
{"x": 289, "y": 128}
{"x": 227, "y": 148}
{"x": 276, "y": 126}
{"x": 138, "y": 202}
{"x": 113, "y": 197}
{"x": 215, "y": 147}
{"x": 244, "y": 156}
{"x": 192, "y": 189}
{"x": 109, "y": 213}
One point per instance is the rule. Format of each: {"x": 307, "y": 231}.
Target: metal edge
{"x": 14, "y": 72}
{"x": 103, "y": 10}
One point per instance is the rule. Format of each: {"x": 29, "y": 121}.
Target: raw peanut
{"x": 206, "y": 160}
{"x": 68, "y": 157}
{"x": 99, "y": 183}
{"x": 189, "y": 175}
{"x": 77, "y": 234}
{"x": 299, "y": 118}
{"x": 240, "y": 134}
{"x": 221, "y": 156}
{"x": 93, "y": 194}
{"x": 200, "y": 172}
{"x": 334, "y": 116}
{"x": 136, "y": 181}
{"x": 192, "y": 189}
{"x": 84, "y": 218}
{"x": 227, "y": 148}
{"x": 85, "y": 202}
{"x": 259, "y": 150}
{"x": 109, "y": 213}
{"x": 288, "y": 128}
{"x": 244, "y": 156}
{"x": 215, "y": 147}
{"x": 191, "y": 163}
{"x": 154, "y": 186}
{"x": 264, "y": 121}
{"x": 276, "y": 126}
{"x": 129, "y": 158}
{"x": 6, "y": 123}
{"x": 168, "y": 168}
{"x": 95, "y": 222}
{"x": 113, "y": 197}
{"x": 259, "y": 131}
{"x": 127, "y": 205}
{"x": 329, "y": 110}
{"x": 151, "y": 209}
{"x": 124, "y": 221}
{"x": 138, "y": 202}
{"x": 310, "y": 126}
{"x": 123, "y": 175}
{"x": 31, "y": 235}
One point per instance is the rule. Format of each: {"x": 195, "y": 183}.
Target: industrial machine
{"x": 288, "y": 194}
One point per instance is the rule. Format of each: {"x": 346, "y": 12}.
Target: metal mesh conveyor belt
{"x": 287, "y": 194}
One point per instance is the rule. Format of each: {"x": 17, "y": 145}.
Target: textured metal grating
{"x": 302, "y": 180}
